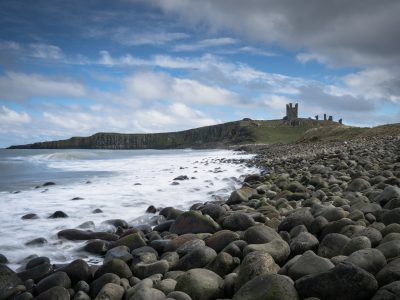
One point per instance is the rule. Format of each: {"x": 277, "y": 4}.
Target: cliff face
{"x": 204, "y": 137}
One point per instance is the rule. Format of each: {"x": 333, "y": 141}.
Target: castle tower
{"x": 292, "y": 111}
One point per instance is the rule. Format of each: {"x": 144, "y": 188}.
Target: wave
{"x": 66, "y": 156}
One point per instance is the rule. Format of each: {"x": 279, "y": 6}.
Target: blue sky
{"x": 74, "y": 68}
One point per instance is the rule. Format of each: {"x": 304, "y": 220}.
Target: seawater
{"x": 122, "y": 183}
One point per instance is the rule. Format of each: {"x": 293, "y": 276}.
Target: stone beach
{"x": 320, "y": 221}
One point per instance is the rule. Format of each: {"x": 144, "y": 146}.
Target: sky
{"x": 74, "y": 68}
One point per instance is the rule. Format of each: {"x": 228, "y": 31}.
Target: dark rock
{"x": 214, "y": 211}
{"x": 151, "y": 209}
{"x": 255, "y": 264}
{"x": 82, "y": 235}
{"x": 97, "y": 284}
{"x": 8, "y": 282}
{"x": 390, "y": 249}
{"x": 260, "y": 234}
{"x": 81, "y": 295}
{"x": 166, "y": 286}
{"x": 36, "y": 273}
{"x": 358, "y": 185}
{"x": 37, "y": 261}
{"x": 267, "y": 286}
{"x": 82, "y": 286}
{"x": 144, "y": 254}
{"x": 58, "y": 214}
{"x": 371, "y": 260}
{"x": 77, "y": 198}
{"x": 77, "y": 270}
{"x": 357, "y": 243}
{"x": 56, "y": 279}
{"x": 115, "y": 266}
{"x": 301, "y": 216}
{"x": 147, "y": 294}
{"x": 181, "y": 177}
{"x": 345, "y": 281}
{"x": 3, "y": 259}
{"x": 189, "y": 246}
{"x": 389, "y": 273}
{"x": 303, "y": 242}
{"x": 111, "y": 291}
{"x": 164, "y": 226}
{"x": 55, "y": 293}
{"x": 121, "y": 252}
{"x": 132, "y": 241}
{"x": 198, "y": 258}
{"x": 390, "y": 291}
{"x": 391, "y": 216}
{"x": 241, "y": 195}
{"x": 117, "y": 223}
{"x": 170, "y": 213}
{"x": 237, "y": 221}
{"x": 221, "y": 239}
{"x": 332, "y": 245}
{"x": 223, "y": 264}
{"x": 30, "y": 216}
{"x": 96, "y": 247}
{"x": 200, "y": 284}
{"x": 97, "y": 211}
{"x": 277, "y": 248}
{"x": 193, "y": 222}
{"x": 177, "y": 295}
{"x": 374, "y": 235}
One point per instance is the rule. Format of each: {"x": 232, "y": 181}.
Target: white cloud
{"x": 206, "y": 43}
{"x": 12, "y": 117}
{"x": 305, "y": 57}
{"x": 20, "y": 86}
{"x": 126, "y": 36}
{"x": 44, "y": 51}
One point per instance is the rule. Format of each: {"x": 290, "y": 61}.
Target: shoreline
{"x": 319, "y": 211}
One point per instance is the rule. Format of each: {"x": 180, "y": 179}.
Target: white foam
{"x": 117, "y": 194}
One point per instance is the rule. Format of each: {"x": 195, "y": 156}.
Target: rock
{"x": 267, "y": 286}
{"x": 391, "y": 216}
{"x": 36, "y": 242}
{"x": 390, "y": 249}
{"x": 238, "y": 221}
{"x": 82, "y": 235}
{"x": 190, "y": 246}
{"x": 298, "y": 217}
{"x": 30, "y": 216}
{"x": 223, "y": 264}
{"x": 181, "y": 177}
{"x": 77, "y": 270}
{"x": 357, "y": 243}
{"x": 97, "y": 211}
{"x": 390, "y": 291}
{"x": 164, "y": 226}
{"x": 115, "y": 266}
{"x": 374, "y": 235}
{"x": 132, "y": 241}
{"x": 389, "y": 273}
{"x": 151, "y": 209}
{"x": 260, "y": 234}
{"x": 37, "y": 261}
{"x": 36, "y": 273}
{"x": 277, "y": 248}
{"x": 143, "y": 270}
{"x": 170, "y": 213}
{"x": 166, "y": 286}
{"x": 58, "y": 214}
{"x": 193, "y": 222}
{"x": 200, "y": 284}
{"x": 147, "y": 294}
{"x": 391, "y": 228}
{"x": 8, "y": 282}
{"x": 358, "y": 185}
{"x": 121, "y": 252}
{"x": 142, "y": 284}
{"x": 56, "y": 279}
{"x": 390, "y": 192}
{"x": 144, "y": 254}
{"x": 98, "y": 247}
{"x": 55, "y": 293}
{"x": 198, "y": 258}
{"x": 241, "y": 195}
{"x": 98, "y": 284}
{"x": 24, "y": 296}
{"x": 221, "y": 239}
{"x": 254, "y": 264}
{"x": 49, "y": 183}
{"x": 345, "y": 281}
{"x": 117, "y": 223}
{"x": 214, "y": 211}
{"x": 371, "y": 260}
{"x": 3, "y": 259}
{"x": 81, "y": 295}
{"x": 82, "y": 286}
{"x": 303, "y": 242}
{"x": 111, "y": 291}
{"x": 177, "y": 295}
{"x": 308, "y": 263}
{"x": 332, "y": 245}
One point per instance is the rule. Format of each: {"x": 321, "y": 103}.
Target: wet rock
{"x": 30, "y": 216}
{"x": 301, "y": 216}
{"x": 221, "y": 239}
{"x": 389, "y": 273}
{"x": 58, "y": 214}
{"x": 121, "y": 252}
{"x": 96, "y": 247}
{"x": 223, "y": 264}
{"x": 115, "y": 266}
{"x": 241, "y": 195}
{"x": 37, "y": 261}
{"x": 371, "y": 233}
{"x": 371, "y": 260}
{"x": 117, "y": 223}
{"x": 82, "y": 286}
{"x": 357, "y": 243}
{"x": 345, "y": 281}
{"x": 77, "y": 270}
{"x": 237, "y": 221}
{"x": 144, "y": 254}
{"x": 36, "y": 242}
{"x": 267, "y": 286}
{"x": 200, "y": 284}
{"x": 36, "y": 273}
{"x": 80, "y": 295}
{"x": 56, "y": 292}
{"x": 190, "y": 246}
{"x": 132, "y": 241}
{"x": 390, "y": 291}
{"x": 55, "y": 279}
{"x": 181, "y": 177}
{"x": 83, "y": 235}
{"x": 193, "y": 222}
{"x": 97, "y": 211}
{"x": 111, "y": 291}
{"x": 277, "y": 248}
{"x": 151, "y": 209}
{"x": 166, "y": 286}
{"x": 214, "y": 211}
{"x": 8, "y": 282}
{"x": 254, "y": 264}
{"x": 3, "y": 259}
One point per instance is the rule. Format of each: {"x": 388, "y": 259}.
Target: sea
{"x": 121, "y": 183}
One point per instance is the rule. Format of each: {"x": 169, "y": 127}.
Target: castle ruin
{"x": 292, "y": 115}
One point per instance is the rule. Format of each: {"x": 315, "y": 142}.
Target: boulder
{"x": 197, "y": 258}
{"x": 177, "y": 295}
{"x": 8, "y": 282}
{"x": 357, "y": 243}
{"x": 83, "y": 235}
{"x": 238, "y": 221}
{"x": 267, "y": 286}
{"x": 332, "y": 245}
{"x": 358, "y": 185}
{"x": 115, "y": 266}
{"x": 260, "y": 234}
{"x": 36, "y": 273}
{"x": 221, "y": 239}
{"x": 254, "y": 264}
{"x": 371, "y": 260}
{"x": 77, "y": 270}
{"x": 390, "y": 291}
{"x": 143, "y": 270}
{"x": 302, "y": 242}
{"x": 241, "y": 195}
{"x": 390, "y": 249}
{"x": 277, "y": 248}
{"x": 391, "y": 216}
{"x": 389, "y": 273}
{"x": 111, "y": 291}
{"x": 214, "y": 211}
{"x": 55, "y": 279}
{"x": 98, "y": 284}
{"x": 193, "y": 222}
{"x": 121, "y": 252}
{"x": 345, "y": 281}
{"x": 200, "y": 284}
{"x": 132, "y": 241}
{"x": 55, "y": 293}
{"x": 223, "y": 264}
{"x": 301, "y": 216}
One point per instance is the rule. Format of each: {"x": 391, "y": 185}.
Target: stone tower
{"x": 292, "y": 112}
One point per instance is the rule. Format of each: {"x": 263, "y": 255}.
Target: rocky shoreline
{"x": 321, "y": 221}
